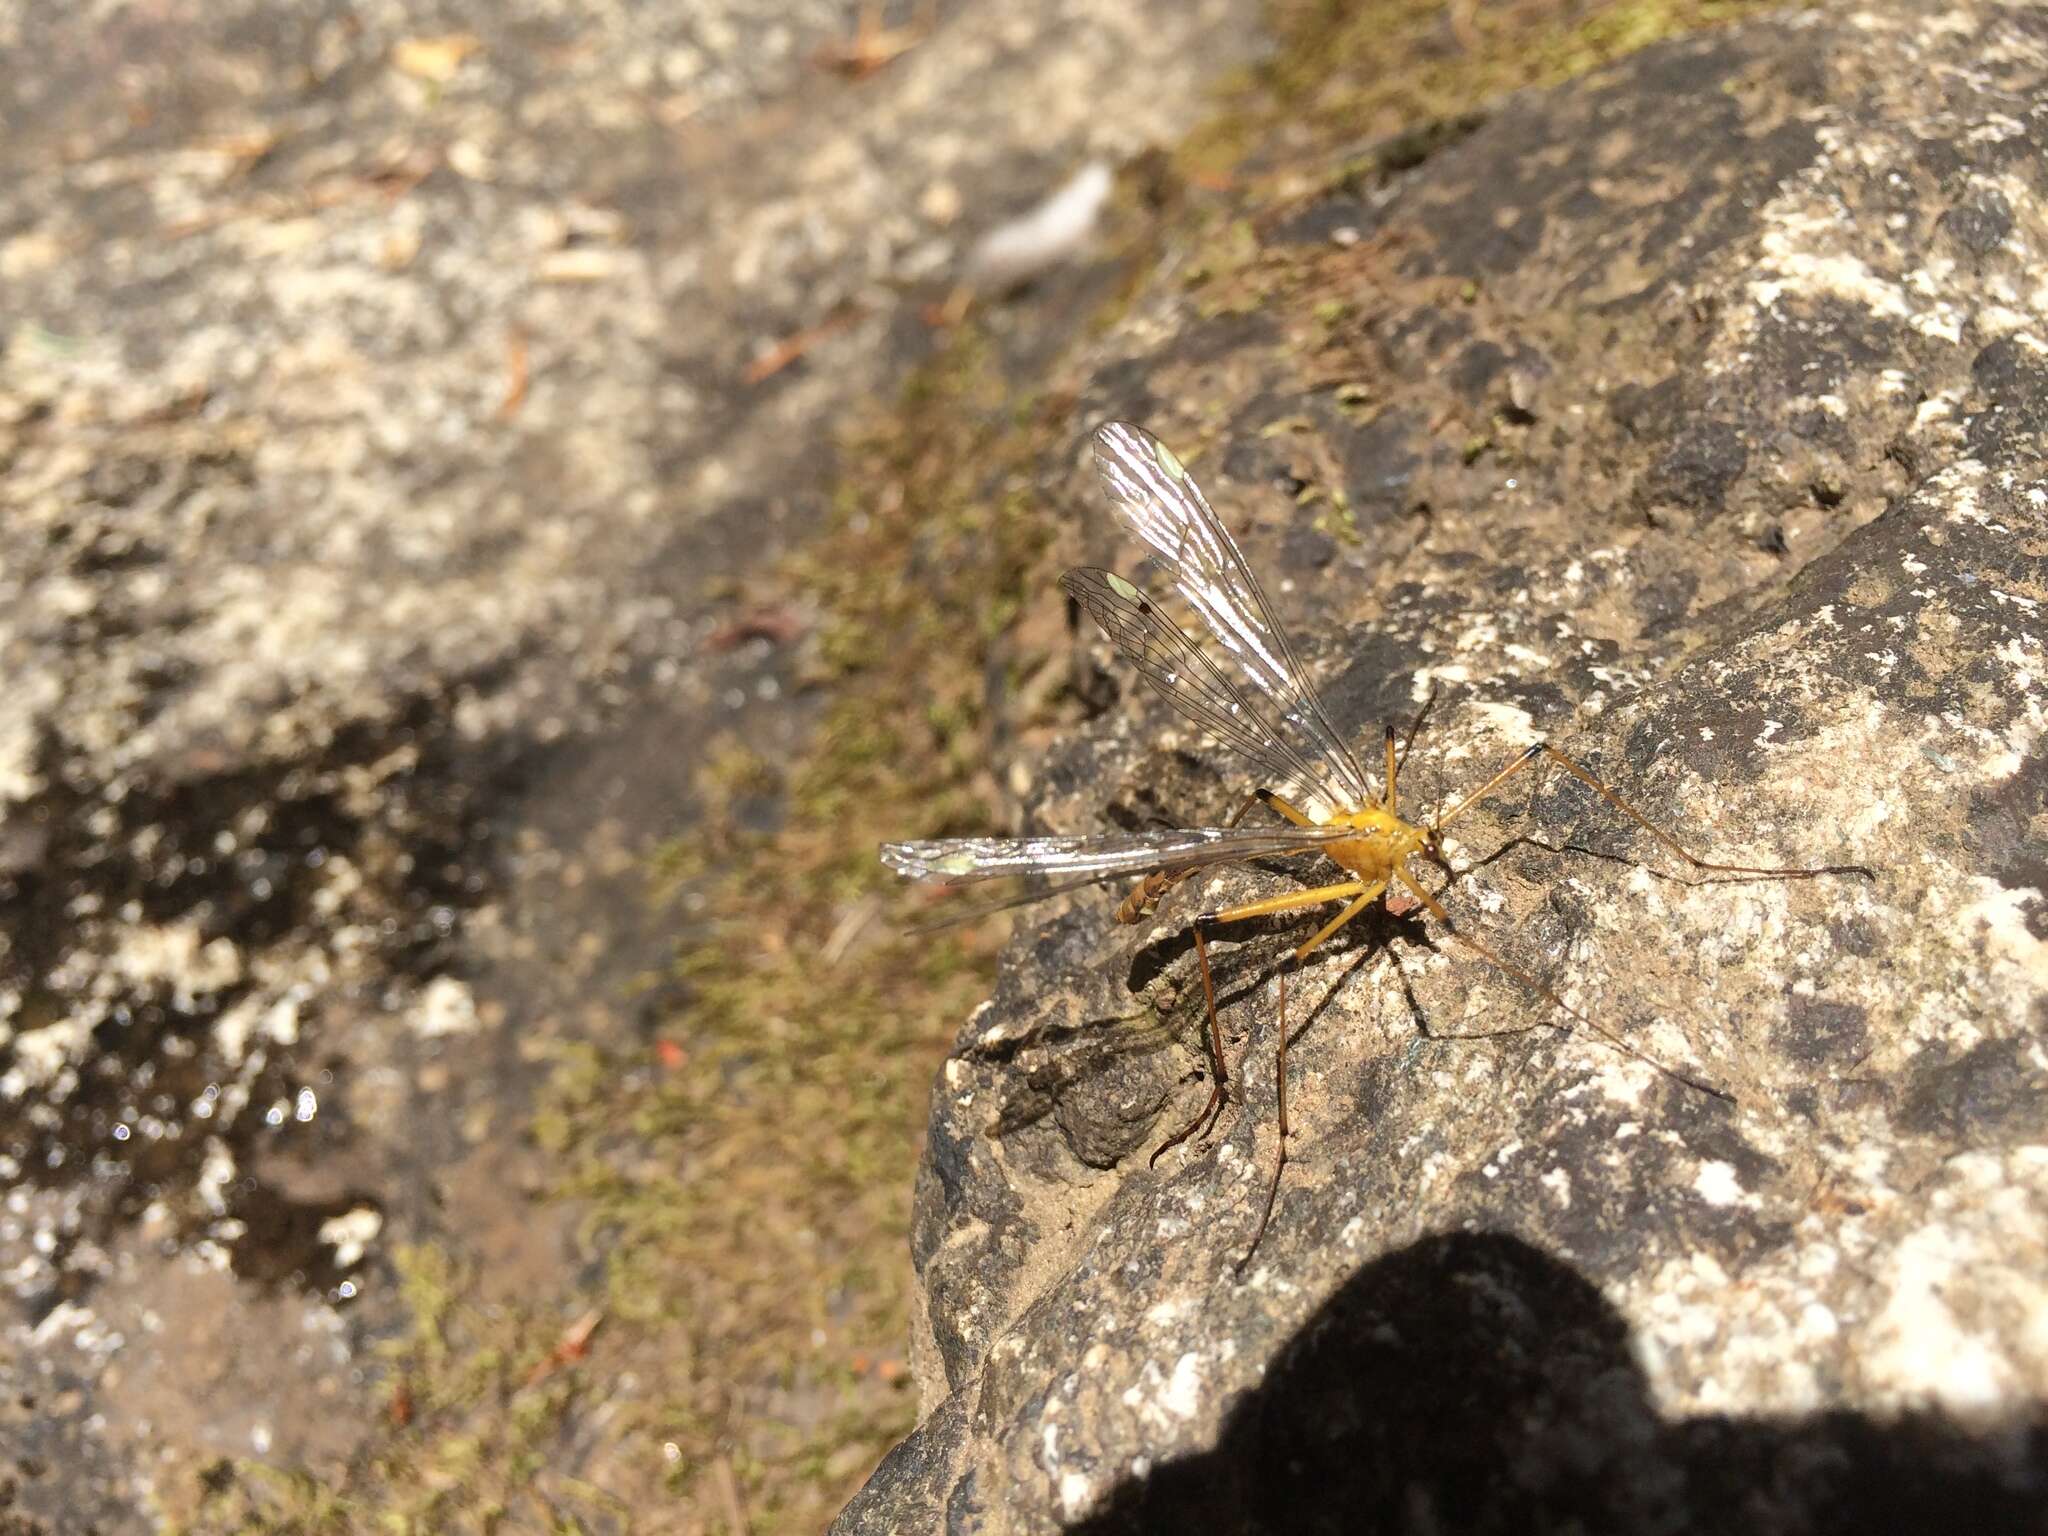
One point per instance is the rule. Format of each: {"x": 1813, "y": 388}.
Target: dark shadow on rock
{"x": 1240, "y": 965}
{"x": 1471, "y": 1384}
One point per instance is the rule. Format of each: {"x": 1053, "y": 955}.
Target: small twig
{"x": 573, "y": 1345}
{"x": 874, "y": 46}
{"x": 794, "y": 346}
{"x": 517, "y": 374}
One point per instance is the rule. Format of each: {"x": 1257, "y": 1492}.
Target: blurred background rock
{"x": 410, "y": 422}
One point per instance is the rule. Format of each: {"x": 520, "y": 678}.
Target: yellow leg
{"x": 1148, "y": 892}
{"x": 1545, "y": 750}
{"x": 1287, "y": 901}
{"x": 1356, "y": 895}
{"x": 1273, "y": 801}
{"x": 1356, "y": 905}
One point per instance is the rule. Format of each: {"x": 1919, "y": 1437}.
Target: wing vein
{"x": 1098, "y": 856}
{"x": 1182, "y": 671}
{"x": 1161, "y": 506}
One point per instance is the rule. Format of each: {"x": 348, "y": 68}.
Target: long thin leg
{"x": 1516, "y": 973}
{"x": 1280, "y": 1152}
{"x": 1328, "y": 931}
{"x": 1217, "y": 1074}
{"x": 1287, "y": 901}
{"x": 1543, "y": 749}
{"x": 1393, "y": 765}
{"x": 1301, "y": 953}
{"x": 1273, "y": 802}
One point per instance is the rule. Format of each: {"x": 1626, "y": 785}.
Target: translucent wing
{"x": 1166, "y": 512}
{"x": 1172, "y": 663}
{"x": 1097, "y": 856}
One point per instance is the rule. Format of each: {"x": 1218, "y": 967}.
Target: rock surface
{"x": 1692, "y": 416}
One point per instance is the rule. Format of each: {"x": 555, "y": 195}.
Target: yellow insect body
{"x": 1383, "y": 845}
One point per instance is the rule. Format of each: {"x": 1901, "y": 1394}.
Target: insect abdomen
{"x": 1143, "y": 898}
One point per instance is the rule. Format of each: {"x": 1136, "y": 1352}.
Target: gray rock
{"x": 1711, "y": 449}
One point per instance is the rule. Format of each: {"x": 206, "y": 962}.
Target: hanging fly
{"x": 1254, "y": 696}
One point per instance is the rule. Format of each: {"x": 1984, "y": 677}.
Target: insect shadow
{"x": 1053, "y": 1066}
{"x": 1248, "y": 967}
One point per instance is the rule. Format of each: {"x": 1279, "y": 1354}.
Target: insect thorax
{"x": 1384, "y": 840}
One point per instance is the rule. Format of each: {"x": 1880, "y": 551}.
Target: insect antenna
{"x": 1414, "y": 729}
